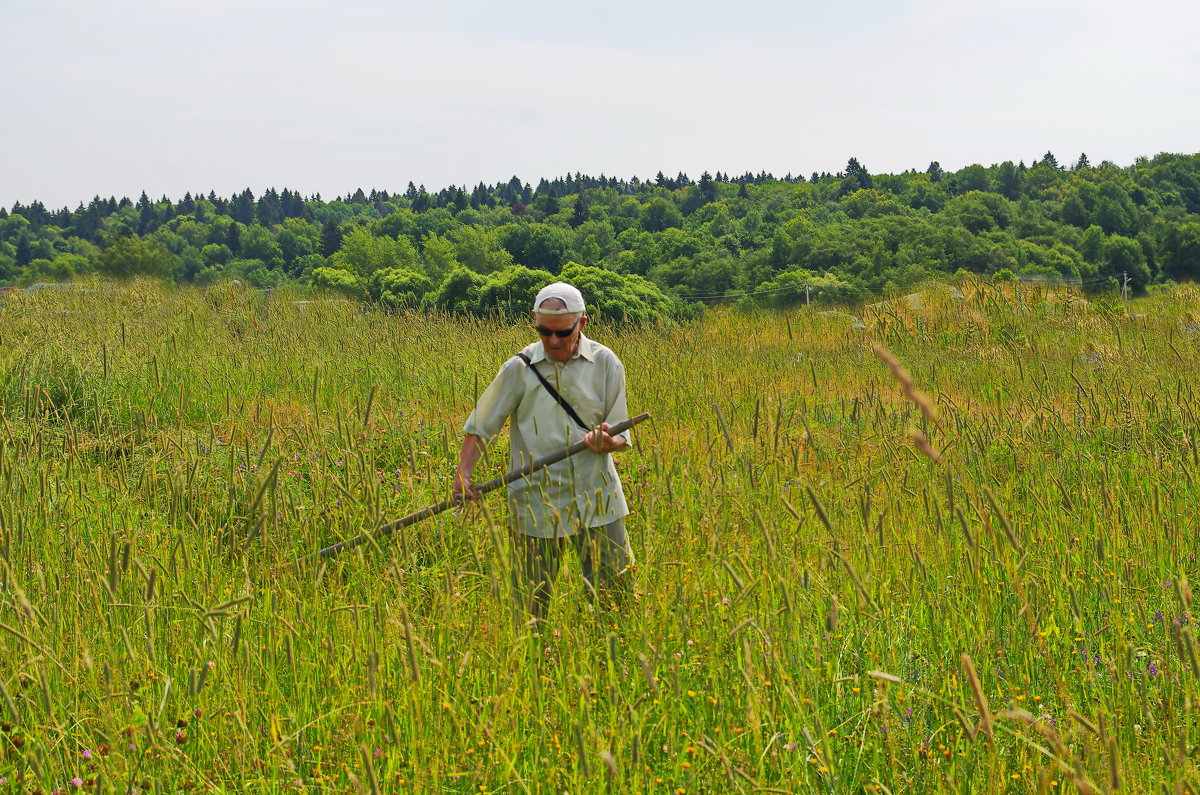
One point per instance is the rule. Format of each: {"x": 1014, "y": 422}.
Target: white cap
{"x": 563, "y": 291}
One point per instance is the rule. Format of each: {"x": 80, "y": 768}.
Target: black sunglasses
{"x": 562, "y": 334}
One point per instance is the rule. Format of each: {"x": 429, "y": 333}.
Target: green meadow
{"x": 946, "y": 549}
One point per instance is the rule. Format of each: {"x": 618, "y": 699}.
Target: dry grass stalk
{"x": 884, "y": 677}
{"x": 907, "y": 387}
{"x": 985, "y": 715}
{"x": 922, "y": 444}
{"x": 1084, "y": 722}
{"x": 1114, "y": 770}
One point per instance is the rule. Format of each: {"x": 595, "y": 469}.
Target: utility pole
{"x": 806, "y": 301}
{"x": 1125, "y": 287}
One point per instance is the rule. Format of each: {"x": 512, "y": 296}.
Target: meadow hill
{"x": 938, "y": 543}
{"x": 947, "y": 551}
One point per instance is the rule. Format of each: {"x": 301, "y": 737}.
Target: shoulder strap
{"x": 553, "y": 392}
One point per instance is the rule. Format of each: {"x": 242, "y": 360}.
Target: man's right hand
{"x": 463, "y": 488}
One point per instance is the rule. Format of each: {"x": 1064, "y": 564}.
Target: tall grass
{"x": 820, "y": 605}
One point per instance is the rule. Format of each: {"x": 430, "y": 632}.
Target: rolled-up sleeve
{"x": 497, "y": 402}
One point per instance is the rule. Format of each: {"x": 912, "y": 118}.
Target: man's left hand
{"x": 599, "y": 441}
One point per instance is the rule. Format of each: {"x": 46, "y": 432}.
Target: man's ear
{"x": 582, "y": 322}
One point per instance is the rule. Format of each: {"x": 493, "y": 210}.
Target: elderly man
{"x": 560, "y": 391}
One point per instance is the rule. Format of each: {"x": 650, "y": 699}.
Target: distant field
{"x": 820, "y": 606}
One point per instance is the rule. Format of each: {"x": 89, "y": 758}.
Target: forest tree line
{"x": 640, "y": 249}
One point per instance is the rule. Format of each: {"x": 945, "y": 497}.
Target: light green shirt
{"x": 583, "y": 490}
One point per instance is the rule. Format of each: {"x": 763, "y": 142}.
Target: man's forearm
{"x": 472, "y": 449}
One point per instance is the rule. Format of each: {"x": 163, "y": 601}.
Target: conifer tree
{"x": 460, "y": 200}
{"x": 242, "y": 207}
{"x": 331, "y": 238}
{"x": 234, "y": 238}
{"x": 145, "y": 213}
{"x": 24, "y": 252}
{"x": 856, "y": 172}
{"x": 579, "y": 213}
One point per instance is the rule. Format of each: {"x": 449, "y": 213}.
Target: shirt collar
{"x": 586, "y": 349}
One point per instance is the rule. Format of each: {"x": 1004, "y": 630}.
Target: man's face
{"x": 558, "y": 348}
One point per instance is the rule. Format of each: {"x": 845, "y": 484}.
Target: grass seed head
{"x": 907, "y": 387}
{"x": 922, "y": 444}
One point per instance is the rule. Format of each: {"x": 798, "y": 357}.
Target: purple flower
{"x": 77, "y": 782}
{"x": 1152, "y": 669}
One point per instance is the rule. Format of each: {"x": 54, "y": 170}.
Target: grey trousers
{"x": 604, "y": 556}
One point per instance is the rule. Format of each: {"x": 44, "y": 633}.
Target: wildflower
{"x": 77, "y": 782}
{"x": 87, "y": 754}
{"x": 180, "y": 737}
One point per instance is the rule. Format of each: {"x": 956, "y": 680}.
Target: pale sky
{"x": 117, "y": 97}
